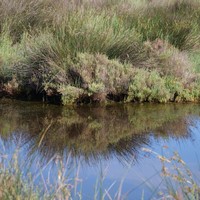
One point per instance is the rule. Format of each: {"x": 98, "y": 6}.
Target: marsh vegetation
{"x": 74, "y": 52}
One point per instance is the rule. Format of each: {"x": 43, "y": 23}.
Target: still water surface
{"x": 101, "y": 143}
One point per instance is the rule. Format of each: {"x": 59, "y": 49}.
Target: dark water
{"x": 95, "y": 142}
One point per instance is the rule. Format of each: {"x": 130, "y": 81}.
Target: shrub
{"x": 70, "y": 94}
{"x": 109, "y": 74}
{"x": 180, "y": 92}
{"x": 168, "y": 60}
{"x": 148, "y": 86}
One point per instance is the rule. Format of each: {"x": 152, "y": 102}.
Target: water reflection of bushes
{"x": 92, "y": 132}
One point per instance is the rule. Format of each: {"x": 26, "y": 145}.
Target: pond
{"x": 103, "y": 149}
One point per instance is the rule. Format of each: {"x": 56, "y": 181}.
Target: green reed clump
{"x": 97, "y": 32}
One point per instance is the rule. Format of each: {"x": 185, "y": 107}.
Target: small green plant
{"x": 148, "y": 86}
{"x": 70, "y": 94}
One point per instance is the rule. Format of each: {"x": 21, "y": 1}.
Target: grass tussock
{"x": 98, "y": 51}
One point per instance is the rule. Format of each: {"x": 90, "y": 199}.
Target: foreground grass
{"x": 100, "y": 51}
{"x": 179, "y": 181}
{"x": 17, "y": 182}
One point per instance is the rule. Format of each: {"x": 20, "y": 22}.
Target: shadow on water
{"x": 92, "y": 133}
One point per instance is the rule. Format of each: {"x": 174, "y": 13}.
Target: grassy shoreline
{"x": 100, "y": 51}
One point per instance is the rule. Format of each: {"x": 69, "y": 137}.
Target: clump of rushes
{"x": 101, "y": 48}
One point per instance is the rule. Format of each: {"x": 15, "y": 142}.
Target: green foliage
{"x": 111, "y": 74}
{"x": 148, "y": 86}
{"x": 195, "y": 59}
{"x": 10, "y": 54}
{"x": 70, "y": 94}
{"x": 96, "y": 88}
{"x": 179, "y": 92}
